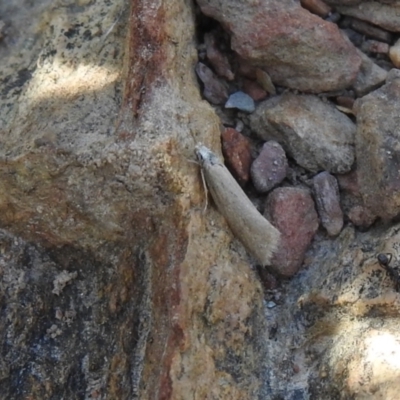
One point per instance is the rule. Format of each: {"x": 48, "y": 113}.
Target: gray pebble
{"x": 241, "y": 101}
{"x": 270, "y": 168}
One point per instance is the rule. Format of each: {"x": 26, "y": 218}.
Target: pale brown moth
{"x": 255, "y": 232}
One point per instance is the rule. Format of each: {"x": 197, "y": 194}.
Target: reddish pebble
{"x": 270, "y": 168}
{"x": 360, "y": 216}
{"x": 254, "y": 90}
{"x": 292, "y": 212}
{"x": 326, "y": 192}
{"x": 218, "y": 60}
{"x": 237, "y": 153}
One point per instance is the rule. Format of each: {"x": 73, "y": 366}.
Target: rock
{"x": 351, "y": 199}
{"x": 375, "y": 47}
{"x": 265, "y": 81}
{"x": 237, "y": 153}
{"x": 384, "y": 15}
{"x": 360, "y": 216}
{"x": 314, "y": 133}
{"x": 370, "y": 30}
{"x": 295, "y": 47}
{"x": 292, "y": 212}
{"x": 241, "y": 101}
{"x": 370, "y": 76}
{"x": 217, "y": 59}
{"x": 377, "y": 149}
{"x": 215, "y": 91}
{"x": 270, "y": 168}
{"x": 393, "y": 75}
{"x": 99, "y": 112}
{"x": 316, "y": 7}
{"x": 326, "y": 193}
{"x": 394, "y": 54}
{"x": 254, "y": 90}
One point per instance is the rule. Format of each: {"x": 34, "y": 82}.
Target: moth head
{"x": 205, "y": 155}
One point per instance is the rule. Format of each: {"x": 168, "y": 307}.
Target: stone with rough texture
{"x": 298, "y": 49}
{"x": 375, "y": 47}
{"x": 113, "y": 282}
{"x": 217, "y": 59}
{"x": 326, "y": 194}
{"x": 241, "y": 101}
{"x": 378, "y": 149}
{"x": 352, "y": 202}
{"x": 384, "y": 15}
{"x": 237, "y": 153}
{"x": 270, "y": 168}
{"x": 369, "y": 30}
{"x": 215, "y": 90}
{"x": 360, "y": 216}
{"x": 265, "y": 81}
{"x": 316, "y": 7}
{"x": 370, "y": 76}
{"x": 292, "y": 212}
{"x": 342, "y": 311}
{"x": 100, "y": 112}
{"x": 314, "y": 133}
{"x": 393, "y": 75}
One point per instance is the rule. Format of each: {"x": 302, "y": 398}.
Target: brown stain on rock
{"x": 146, "y": 51}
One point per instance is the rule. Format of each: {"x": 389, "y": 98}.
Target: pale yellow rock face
{"x": 99, "y": 117}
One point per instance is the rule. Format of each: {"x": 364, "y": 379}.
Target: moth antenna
{"x": 203, "y": 180}
{"x": 205, "y": 190}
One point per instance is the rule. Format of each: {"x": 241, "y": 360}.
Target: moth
{"x": 256, "y": 233}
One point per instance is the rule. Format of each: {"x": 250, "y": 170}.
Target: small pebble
{"x": 241, "y": 101}
{"x": 317, "y": 7}
{"x": 237, "y": 153}
{"x": 265, "y": 81}
{"x": 369, "y": 30}
{"x": 373, "y": 46}
{"x": 270, "y": 168}
{"x": 291, "y": 210}
{"x": 271, "y": 304}
{"x": 218, "y": 60}
{"x": 326, "y": 192}
{"x": 214, "y": 90}
{"x": 239, "y": 125}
